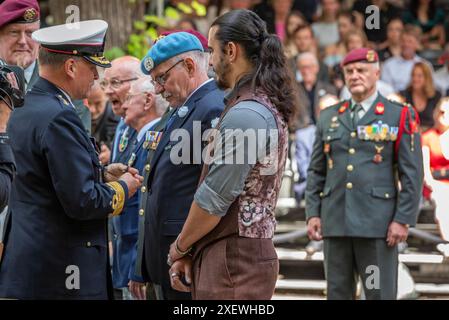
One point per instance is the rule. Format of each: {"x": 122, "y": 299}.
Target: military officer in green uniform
{"x": 364, "y": 183}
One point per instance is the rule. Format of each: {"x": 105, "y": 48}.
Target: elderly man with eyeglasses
{"x": 116, "y": 83}
{"x": 142, "y": 111}
{"x": 178, "y": 65}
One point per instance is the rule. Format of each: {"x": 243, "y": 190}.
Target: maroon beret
{"x": 197, "y": 34}
{"x": 19, "y": 11}
{"x": 361, "y": 55}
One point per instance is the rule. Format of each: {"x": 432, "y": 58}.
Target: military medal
{"x": 132, "y": 159}
{"x": 124, "y": 139}
{"x": 152, "y": 139}
{"x": 393, "y": 133}
{"x": 378, "y": 156}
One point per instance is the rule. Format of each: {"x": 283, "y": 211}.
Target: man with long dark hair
{"x": 231, "y": 221}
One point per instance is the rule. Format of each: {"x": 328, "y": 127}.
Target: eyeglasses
{"x": 115, "y": 83}
{"x": 129, "y": 97}
{"x": 162, "y": 79}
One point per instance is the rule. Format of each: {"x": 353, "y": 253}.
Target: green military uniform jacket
{"x": 353, "y": 176}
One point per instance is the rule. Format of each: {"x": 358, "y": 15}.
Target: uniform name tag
{"x": 378, "y": 132}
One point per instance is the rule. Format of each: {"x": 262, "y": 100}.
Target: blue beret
{"x": 166, "y": 47}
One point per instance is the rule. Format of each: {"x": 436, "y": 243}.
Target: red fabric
{"x": 431, "y": 139}
{"x": 360, "y": 55}
{"x": 12, "y": 10}
{"x": 413, "y": 126}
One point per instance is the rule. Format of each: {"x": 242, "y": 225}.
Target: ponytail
{"x": 274, "y": 77}
{"x": 266, "y": 54}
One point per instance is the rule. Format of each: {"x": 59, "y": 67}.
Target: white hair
{"x": 146, "y": 86}
{"x": 201, "y": 59}
{"x": 308, "y": 55}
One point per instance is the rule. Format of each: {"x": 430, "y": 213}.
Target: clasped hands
{"x": 130, "y": 175}
{"x": 180, "y": 263}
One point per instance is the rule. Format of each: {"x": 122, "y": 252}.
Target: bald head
{"x": 117, "y": 81}
{"x": 126, "y": 64}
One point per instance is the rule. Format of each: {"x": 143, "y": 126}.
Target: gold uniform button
{"x": 352, "y": 151}
{"x": 143, "y": 189}
{"x": 321, "y": 194}
{"x": 147, "y": 167}
{"x": 89, "y": 244}
{"x": 350, "y": 167}
{"x": 349, "y": 185}
{"x": 141, "y": 212}
{"x": 387, "y": 195}
{"x": 353, "y": 134}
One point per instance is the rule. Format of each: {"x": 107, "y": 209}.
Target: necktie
{"x": 355, "y": 114}
{"x": 118, "y": 133}
{"x": 170, "y": 121}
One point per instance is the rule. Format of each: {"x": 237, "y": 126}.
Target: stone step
{"x": 407, "y": 258}
{"x": 316, "y": 289}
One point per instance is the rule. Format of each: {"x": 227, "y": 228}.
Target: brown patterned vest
{"x": 251, "y": 215}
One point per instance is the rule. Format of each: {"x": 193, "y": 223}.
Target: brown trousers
{"x": 235, "y": 268}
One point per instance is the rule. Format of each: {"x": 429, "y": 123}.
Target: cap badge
{"x": 30, "y": 14}
{"x": 370, "y": 56}
{"x": 149, "y": 64}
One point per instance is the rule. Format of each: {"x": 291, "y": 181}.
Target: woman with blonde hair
{"x": 355, "y": 39}
{"x": 421, "y": 94}
{"x": 435, "y": 146}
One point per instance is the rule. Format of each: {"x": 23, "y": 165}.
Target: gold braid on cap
{"x": 101, "y": 60}
{"x": 118, "y": 199}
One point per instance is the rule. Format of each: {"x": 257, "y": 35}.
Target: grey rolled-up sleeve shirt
{"x": 235, "y": 157}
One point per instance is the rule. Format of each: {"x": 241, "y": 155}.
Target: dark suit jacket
{"x": 34, "y": 77}
{"x": 58, "y": 205}
{"x": 82, "y": 111}
{"x": 105, "y": 127}
{"x": 139, "y": 264}
{"x": 321, "y": 89}
{"x": 171, "y": 187}
{"x": 124, "y": 229}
